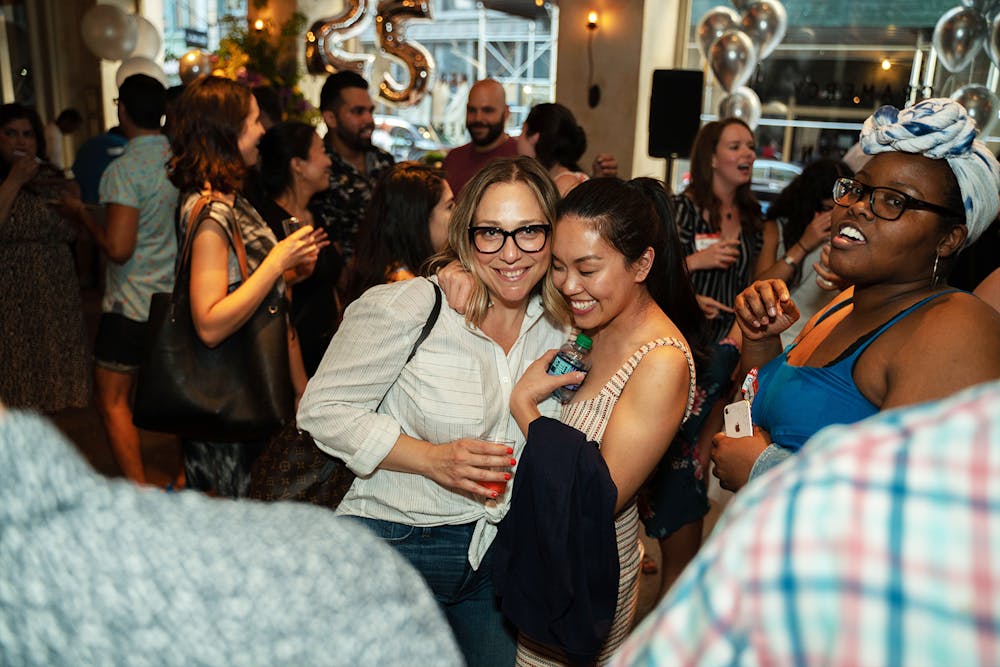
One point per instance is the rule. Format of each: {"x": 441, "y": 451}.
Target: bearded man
{"x": 357, "y": 164}
{"x": 485, "y": 118}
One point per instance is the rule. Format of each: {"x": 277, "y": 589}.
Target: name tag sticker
{"x": 702, "y": 241}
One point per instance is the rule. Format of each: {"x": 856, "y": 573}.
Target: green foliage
{"x": 262, "y": 58}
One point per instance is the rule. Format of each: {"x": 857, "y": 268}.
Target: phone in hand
{"x": 738, "y": 421}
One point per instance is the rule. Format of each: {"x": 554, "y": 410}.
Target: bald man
{"x": 485, "y": 118}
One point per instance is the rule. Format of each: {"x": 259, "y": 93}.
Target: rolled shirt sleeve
{"x": 362, "y": 362}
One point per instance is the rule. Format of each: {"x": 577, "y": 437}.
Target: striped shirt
{"x": 364, "y": 395}
{"x": 720, "y": 284}
{"x": 878, "y": 544}
{"x": 591, "y": 417}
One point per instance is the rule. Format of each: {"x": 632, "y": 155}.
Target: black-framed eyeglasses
{"x": 529, "y": 238}
{"x": 885, "y": 203}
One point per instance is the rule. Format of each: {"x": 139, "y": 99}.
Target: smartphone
{"x": 738, "y": 422}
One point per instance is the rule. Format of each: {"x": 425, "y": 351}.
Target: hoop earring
{"x": 934, "y": 275}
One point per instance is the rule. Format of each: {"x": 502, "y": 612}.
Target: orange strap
{"x": 813, "y": 334}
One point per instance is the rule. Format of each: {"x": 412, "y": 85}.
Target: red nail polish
{"x": 513, "y": 462}
{"x": 494, "y": 494}
{"x": 510, "y": 450}
{"x": 506, "y": 476}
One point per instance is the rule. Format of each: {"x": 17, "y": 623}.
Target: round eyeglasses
{"x": 529, "y": 238}
{"x": 885, "y": 203}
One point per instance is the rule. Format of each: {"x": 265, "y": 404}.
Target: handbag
{"x": 239, "y": 390}
{"x": 293, "y": 467}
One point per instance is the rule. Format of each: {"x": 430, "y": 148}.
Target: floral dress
{"x": 45, "y": 361}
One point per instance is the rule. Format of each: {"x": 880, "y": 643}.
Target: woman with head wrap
{"x": 900, "y": 335}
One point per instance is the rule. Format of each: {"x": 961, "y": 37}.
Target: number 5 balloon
{"x": 732, "y": 58}
{"x": 391, "y": 32}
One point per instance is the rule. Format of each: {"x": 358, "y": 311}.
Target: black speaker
{"x": 674, "y": 111}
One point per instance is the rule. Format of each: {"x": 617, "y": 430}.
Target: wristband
{"x": 787, "y": 259}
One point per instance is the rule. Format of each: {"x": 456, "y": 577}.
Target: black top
{"x": 314, "y": 311}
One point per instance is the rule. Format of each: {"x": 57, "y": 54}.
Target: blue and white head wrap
{"x": 942, "y": 130}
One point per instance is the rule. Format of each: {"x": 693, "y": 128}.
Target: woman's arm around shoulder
{"x": 364, "y": 360}
{"x": 954, "y": 344}
{"x": 645, "y": 419}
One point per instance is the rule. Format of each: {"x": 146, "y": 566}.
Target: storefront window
{"x": 838, "y": 62}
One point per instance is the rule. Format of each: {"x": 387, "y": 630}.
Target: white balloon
{"x": 981, "y": 104}
{"x": 109, "y": 32}
{"x": 958, "y": 36}
{"x": 742, "y": 103}
{"x": 139, "y": 65}
{"x": 147, "y": 42}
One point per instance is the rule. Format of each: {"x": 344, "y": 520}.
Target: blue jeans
{"x": 441, "y": 555}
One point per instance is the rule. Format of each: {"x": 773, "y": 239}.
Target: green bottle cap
{"x": 583, "y": 340}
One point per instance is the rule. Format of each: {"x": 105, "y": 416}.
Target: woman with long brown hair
{"x": 214, "y": 139}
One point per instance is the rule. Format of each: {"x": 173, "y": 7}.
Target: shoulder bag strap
{"x": 429, "y": 324}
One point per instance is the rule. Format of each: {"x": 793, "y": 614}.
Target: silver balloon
{"x": 993, "y": 41}
{"x": 393, "y": 15}
{"x": 148, "y": 42}
{"x": 109, "y": 32}
{"x": 958, "y": 36}
{"x": 742, "y": 103}
{"x": 139, "y": 65}
{"x": 193, "y": 64}
{"x": 765, "y": 22}
{"x": 713, "y": 23}
{"x": 981, "y": 104}
{"x": 326, "y": 51}
{"x": 732, "y": 58}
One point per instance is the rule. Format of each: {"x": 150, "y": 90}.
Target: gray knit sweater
{"x": 101, "y": 572}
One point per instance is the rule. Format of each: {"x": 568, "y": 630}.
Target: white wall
{"x": 633, "y": 38}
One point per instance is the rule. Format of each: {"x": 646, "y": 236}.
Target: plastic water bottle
{"x": 574, "y": 355}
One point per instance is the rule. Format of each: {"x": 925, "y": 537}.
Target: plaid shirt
{"x": 342, "y": 208}
{"x": 878, "y": 544}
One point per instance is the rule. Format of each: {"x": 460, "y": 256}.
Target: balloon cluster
{"x": 959, "y": 35}
{"x": 734, "y": 43}
{"x": 111, "y": 34}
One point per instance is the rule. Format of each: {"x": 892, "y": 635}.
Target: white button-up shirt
{"x": 458, "y": 385}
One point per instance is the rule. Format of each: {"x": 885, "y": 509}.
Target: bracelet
{"x": 804, "y": 249}
{"x": 787, "y": 259}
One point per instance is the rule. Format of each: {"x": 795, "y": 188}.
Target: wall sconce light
{"x": 593, "y": 90}
{"x": 259, "y": 25}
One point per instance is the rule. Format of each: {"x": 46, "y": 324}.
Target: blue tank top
{"x": 794, "y": 402}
